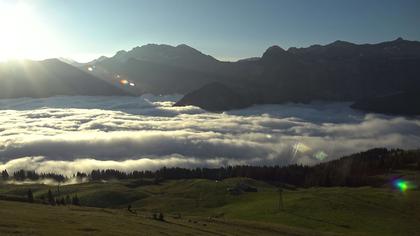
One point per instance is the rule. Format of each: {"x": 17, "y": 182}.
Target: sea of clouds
{"x": 69, "y": 134}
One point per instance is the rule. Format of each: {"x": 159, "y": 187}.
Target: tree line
{"x": 54, "y": 199}
{"x": 22, "y": 175}
{"x": 355, "y": 170}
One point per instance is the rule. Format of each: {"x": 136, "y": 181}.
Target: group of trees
{"x": 22, "y": 175}
{"x": 55, "y": 199}
{"x": 5, "y": 175}
{"x": 355, "y": 170}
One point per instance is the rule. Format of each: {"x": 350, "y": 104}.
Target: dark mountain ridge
{"x": 160, "y": 69}
{"x": 50, "y": 78}
{"x": 182, "y": 56}
{"x": 339, "y": 71}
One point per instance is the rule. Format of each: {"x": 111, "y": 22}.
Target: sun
{"x": 22, "y": 33}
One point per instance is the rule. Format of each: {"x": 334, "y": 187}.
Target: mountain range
{"x": 383, "y": 77}
{"x": 369, "y": 75}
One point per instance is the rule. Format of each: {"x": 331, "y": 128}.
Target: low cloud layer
{"x": 68, "y": 134}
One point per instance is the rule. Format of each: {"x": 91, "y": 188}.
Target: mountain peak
{"x": 53, "y": 60}
{"x": 101, "y": 58}
{"x": 120, "y": 53}
{"x": 399, "y": 39}
{"x": 340, "y": 43}
{"x": 184, "y": 46}
{"x": 162, "y": 49}
{"x": 275, "y": 48}
{"x": 274, "y": 52}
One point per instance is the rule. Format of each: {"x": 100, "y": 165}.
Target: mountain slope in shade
{"x": 165, "y": 69}
{"x": 160, "y": 69}
{"x": 49, "y": 78}
{"x": 215, "y": 97}
{"x": 339, "y": 71}
{"x": 405, "y": 103}
{"x": 156, "y": 78}
{"x": 182, "y": 56}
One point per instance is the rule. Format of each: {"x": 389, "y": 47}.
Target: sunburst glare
{"x": 23, "y": 34}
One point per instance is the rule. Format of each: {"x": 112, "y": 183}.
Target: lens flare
{"x": 24, "y": 33}
{"x": 126, "y": 82}
{"x": 403, "y": 185}
{"x": 299, "y": 148}
{"x": 321, "y": 155}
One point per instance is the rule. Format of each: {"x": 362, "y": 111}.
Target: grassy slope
{"x": 349, "y": 211}
{"x": 36, "y": 219}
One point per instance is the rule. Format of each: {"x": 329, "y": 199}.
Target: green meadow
{"x": 207, "y": 207}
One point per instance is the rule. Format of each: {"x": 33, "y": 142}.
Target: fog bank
{"x": 69, "y": 134}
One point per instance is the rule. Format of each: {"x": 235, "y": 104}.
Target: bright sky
{"x": 229, "y": 30}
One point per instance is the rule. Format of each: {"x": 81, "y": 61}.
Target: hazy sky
{"x": 226, "y": 29}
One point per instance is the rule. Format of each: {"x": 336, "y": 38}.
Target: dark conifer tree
{"x": 42, "y": 197}
{"x": 75, "y": 201}
{"x": 50, "y": 197}
{"x": 19, "y": 175}
{"x": 5, "y": 175}
{"x": 68, "y": 200}
{"x": 161, "y": 217}
{"x": 30, "y": 196}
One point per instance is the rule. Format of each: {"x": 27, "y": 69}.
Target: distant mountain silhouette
{"x": 181, "y": 56}
{"x": 370, "y": 74}
{"x": 340, "y": 71}
{"x": 49, "y": 78}
{"x": 164, "y": 69}
{"x": 160, "y": 69}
